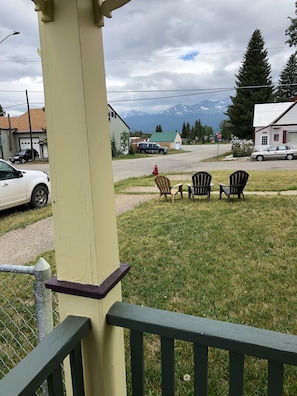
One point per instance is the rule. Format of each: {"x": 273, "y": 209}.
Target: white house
{"x": 275, "y": 123}
{"x": 116, "y": 126}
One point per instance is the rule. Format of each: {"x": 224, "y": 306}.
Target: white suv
{"x": 18, "y": 187}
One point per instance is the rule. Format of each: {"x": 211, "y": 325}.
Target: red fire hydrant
{"x": 155, "y": 171}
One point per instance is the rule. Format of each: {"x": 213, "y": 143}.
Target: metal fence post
{"x": 43, "y": 299}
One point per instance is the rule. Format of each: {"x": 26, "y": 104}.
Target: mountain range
{"x": 209, "y": 112}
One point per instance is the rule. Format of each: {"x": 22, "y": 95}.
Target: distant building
{"x": 116, "y": 126}
{"x": 275, "y": 123}
{"x": 15, "y": 132}
{"x": 172, "y": 140}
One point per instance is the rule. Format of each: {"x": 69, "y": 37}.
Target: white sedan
{"x": 18, "y": 187}
{"x": 275, "y": 152}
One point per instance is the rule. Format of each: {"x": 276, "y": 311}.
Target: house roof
{"x": 112, "y": 109}
{"x": 37, "y": 119}
{"x": 21, "y": 123}
{"x": 267, "y": 113}
{"x": 160, "y": 137}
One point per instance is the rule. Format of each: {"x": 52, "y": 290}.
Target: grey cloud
{"x": 144, "y": 41}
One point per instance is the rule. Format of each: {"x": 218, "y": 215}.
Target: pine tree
{"x": 292, "y": 30}
{"x": 159, "y": 128}
{"x": 2, "y": 112}
{"x": 254, "y": 72}
{"x": 184, "y": 133}
{"x": 288, "y": 81}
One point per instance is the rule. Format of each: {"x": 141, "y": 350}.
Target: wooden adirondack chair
{"x": 238, "y": 181}
{"x": 165, "y": 188}
{"x": 201, "y": 185}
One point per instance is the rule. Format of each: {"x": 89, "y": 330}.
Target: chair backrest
{"x": 238, "y": 181}
{"x": 163, "y": 184}
{"x": 201, "y": 183}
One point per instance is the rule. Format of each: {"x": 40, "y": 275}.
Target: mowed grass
{"x": 233, "y": 262}
{"x": 21, "y": 217}
{"x": 258, "y": 180}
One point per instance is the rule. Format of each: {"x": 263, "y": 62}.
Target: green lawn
{"x": 234, "y": 262}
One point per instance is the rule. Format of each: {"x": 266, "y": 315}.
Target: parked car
{"x": 18, "y": 187}
{"x": 24, "y": 156}
{"x": 151, "y": 148}
{"x": 275, "y": 152}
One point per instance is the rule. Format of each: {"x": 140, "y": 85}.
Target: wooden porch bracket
{"x": 100, "y": 10}
{"x": 90, "y": 291}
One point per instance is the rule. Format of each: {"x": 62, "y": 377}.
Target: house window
{"x": 276, "y": 137}
{"x": 264, "y": 140}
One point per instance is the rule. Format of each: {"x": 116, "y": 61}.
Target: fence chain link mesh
{"x": 18, "y": 315}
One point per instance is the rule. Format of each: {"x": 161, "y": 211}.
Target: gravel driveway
{"x": 23, "y": 245}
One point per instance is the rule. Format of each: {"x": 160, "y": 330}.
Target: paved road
{"x": 191, "y": 161}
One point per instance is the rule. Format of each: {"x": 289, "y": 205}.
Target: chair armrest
{"x": 223, "y": 185}
{"x": 177, "y": 185}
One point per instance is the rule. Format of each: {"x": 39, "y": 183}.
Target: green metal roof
{"x": 160, "y": 137}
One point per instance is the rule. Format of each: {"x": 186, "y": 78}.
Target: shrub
{"x": 242, "y": 149}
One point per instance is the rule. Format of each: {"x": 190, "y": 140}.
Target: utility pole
{"x": 30, "y": 127}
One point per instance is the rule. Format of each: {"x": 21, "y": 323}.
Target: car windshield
{"x": 271, "y": 148}
{"x": 21, "y": 152}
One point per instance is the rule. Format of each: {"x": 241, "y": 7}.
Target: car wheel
{"x": 161, "y": 152}
{"x": 259, "y": 158}
{"x": 290, "y": 157}
{"x": 23, "y": 160}
{"x": 39, "y": 197}
{"x": 142, "y": 151}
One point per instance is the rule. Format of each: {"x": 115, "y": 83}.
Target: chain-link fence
{"x": 27, "y": 311}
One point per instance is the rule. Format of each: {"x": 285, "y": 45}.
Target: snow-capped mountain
{"x": 205, "y": 106}
{"x": 209, "y": 112}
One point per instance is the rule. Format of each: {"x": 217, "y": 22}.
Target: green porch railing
{"x": 277, "y": 348}
{"x": 44, "y": 362}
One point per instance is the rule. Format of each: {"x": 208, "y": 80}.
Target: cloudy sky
{"x": 157, "y": 53}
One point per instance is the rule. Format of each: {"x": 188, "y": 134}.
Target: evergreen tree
{"x": 2, "y": 112}
{"x": 254, "y": 72}
{"x": 198, "y": 131}
{"x": 159, "y": 128}
{"x": 288, "y": 81}
{"x": 184, "y": 133}
{"x": 186, "y": 129}
{"x": 292, "y": 30}
{"x": 225, "y": 130}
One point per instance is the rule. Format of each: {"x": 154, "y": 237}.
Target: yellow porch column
{"x": 81, "y": 176}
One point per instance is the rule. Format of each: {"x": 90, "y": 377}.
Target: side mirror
{"x": 19, "y": 174}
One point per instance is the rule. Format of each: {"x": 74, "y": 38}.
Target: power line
{"x": 190, "y": 92}
{"x": 157, "y": 57}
